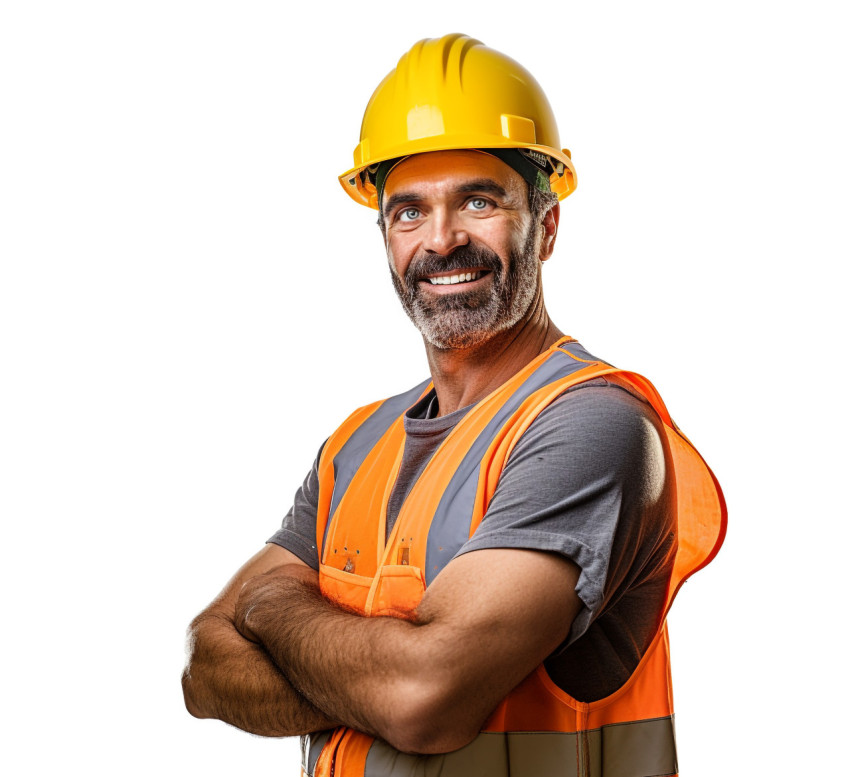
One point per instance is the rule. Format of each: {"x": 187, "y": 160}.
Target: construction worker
{"x": 521, "y": 521}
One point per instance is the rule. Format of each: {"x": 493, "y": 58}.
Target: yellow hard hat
{"x": 450, "y": 93}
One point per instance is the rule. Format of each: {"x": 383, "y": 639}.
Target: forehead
{"x": 440, "y": 171}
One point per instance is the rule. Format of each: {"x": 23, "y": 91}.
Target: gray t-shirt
{"x": 591, "y": 480}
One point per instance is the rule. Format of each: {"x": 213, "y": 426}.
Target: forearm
{"x": 426, "y": 684}
{"x": 233, "y": 679}
{"x": 365, "y": 672}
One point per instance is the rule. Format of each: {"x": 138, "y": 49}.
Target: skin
{"x": 272, "y": 656}
{"x": 448, "y": 219}
{"x": 231, "y": 678}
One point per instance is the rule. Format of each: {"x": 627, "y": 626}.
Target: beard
{"x": 465, "y": 319}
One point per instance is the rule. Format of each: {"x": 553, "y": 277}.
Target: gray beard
{"x": 468, "y": 318}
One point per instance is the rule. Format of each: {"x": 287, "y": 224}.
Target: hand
{"x": 265, "y": 589}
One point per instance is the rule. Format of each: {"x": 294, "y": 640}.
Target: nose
{"x": 444, "y": 232}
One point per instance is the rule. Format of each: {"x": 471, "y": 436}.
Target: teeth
{"x": 444, "y": 280}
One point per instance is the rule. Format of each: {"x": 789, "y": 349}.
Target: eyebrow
{"x": 483, "y": 185}
{"x": 399, "y": 199}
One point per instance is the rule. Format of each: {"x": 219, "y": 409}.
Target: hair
{"x": 539, "y": 204}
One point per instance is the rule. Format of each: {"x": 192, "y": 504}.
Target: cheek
{"x": 398, "y": 256}
{"x": 497, "y": 235}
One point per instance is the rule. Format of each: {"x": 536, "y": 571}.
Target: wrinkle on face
{"x": 467, "y": 318}
{"x": 507, "y": 246}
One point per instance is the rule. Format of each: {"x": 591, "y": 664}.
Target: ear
{"x": 550, "y": 231}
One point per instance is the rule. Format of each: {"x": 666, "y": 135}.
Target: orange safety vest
{"x": 538, "y": 729}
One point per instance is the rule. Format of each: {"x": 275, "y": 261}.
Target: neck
{"x": 464, "y": 376}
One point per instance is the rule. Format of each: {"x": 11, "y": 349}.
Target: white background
{"x": 189, "y": 304}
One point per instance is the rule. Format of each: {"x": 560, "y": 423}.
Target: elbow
{"x": 192, "y": 678}
{"x": 190, "y": 696}
{"x": 433, "y": 720}
{"x": 426, "y": 741}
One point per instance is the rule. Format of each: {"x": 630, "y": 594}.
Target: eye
{"x": 408, "y": 214}
{"x": 478, "y": 203}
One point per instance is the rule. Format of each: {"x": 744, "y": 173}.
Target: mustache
{"x": 463, "y": 257}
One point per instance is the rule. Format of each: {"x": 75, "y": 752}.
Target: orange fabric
{"x": 325, "y": 763}
{"x": 326, "y": 470}
{"x": 387, "y": 578}
{"x": 397, "y": 591}
{"x": 352, "y": 751}
{"x": 345, "y": 746}
{"x": 370, "y": 486}
{"x": 504, "y": 442}
{"x": 422, "y": 501}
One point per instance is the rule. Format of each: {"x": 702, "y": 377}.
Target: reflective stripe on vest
{"x": 538, "y": 728}
{"x": 447, "y": 534}
{"x": 358, "y": 445}
{"x": 644, "y": 747}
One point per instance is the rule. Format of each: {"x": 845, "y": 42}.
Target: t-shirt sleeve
{"x": 587, "y": 480}
{"x": 298, "y": 530}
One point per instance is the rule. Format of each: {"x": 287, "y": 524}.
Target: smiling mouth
{"x": 453, "y": 279}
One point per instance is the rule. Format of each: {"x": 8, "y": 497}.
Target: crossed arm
{"x": 271, "y": 656}
{"x": 234, "y": 679}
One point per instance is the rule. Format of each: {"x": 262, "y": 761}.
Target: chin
{"x": 457, "y": 342}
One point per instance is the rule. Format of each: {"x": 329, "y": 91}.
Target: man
{"x": 522, "y": 521}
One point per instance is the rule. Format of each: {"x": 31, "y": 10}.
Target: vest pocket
{"x": 397, "y": 591}
{"x": 344, "y": 588}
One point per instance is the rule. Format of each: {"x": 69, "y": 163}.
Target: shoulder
{"x": 590, "y": 479}
{"x": 597, "y": 425}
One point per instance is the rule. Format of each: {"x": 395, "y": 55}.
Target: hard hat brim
{"x": 350, "y": 180}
